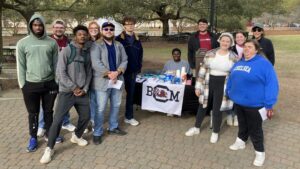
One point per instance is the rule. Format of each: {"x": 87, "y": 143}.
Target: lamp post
{"x": 212, "y": 15}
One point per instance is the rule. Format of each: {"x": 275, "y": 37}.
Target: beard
{"x": 108, "y": 38}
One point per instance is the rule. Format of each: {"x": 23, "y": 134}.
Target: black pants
{"x": 215, "y": 97}
{"x": 65, "y": 101}
{"x": 33, "y": 93}
{"x": 129, "y": 87}
{"x": 250, "y": 124}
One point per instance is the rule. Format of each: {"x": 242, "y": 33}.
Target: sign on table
{"x": 166, "y": 98}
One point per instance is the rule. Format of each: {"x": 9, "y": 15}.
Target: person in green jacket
{"x": 36, "y": 63}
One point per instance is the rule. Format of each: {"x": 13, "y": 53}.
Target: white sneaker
{"x": 214, "y": 137}
{"x": 41, "y": 132}
{"x": 80, "y": 141}
{"x": 235, "y": 121}
{"x": 239, "y": 144}
{"x": 170, "y": 115}
{"x": 46, "y": 158}
{"x": 192, "y": 131}
{"x": 132, "y": 122}
{"x": 69, "y": 127}
{"x": 229, "y": 120}
{"x": 259, "y": 158}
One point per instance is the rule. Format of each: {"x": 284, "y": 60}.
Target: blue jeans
{"x": 93, "y": 106}
{"x": 115, "y": 97}
{"x": 129, "y": 87}
{"x": 66, "y": 119}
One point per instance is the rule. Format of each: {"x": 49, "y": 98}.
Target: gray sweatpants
{"x": 65, "y": 101}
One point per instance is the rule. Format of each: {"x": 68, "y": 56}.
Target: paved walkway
{"x": 157, "y": 143}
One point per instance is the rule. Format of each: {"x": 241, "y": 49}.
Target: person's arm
{"x": 21, "y": 65}
{"x": 271, "y": 87}
{"x": 62, "y": 72}
{"x": 123, "y": 64}
{"x": 191, "y": 53}
{"x": 271, "y": 53}
{"x": 97, "y": 63}
{"x": 89, "y": 75}
{"x": 55, "y": 52}
{"x": 141, "y": 57}
{"x": 201, "y": 75}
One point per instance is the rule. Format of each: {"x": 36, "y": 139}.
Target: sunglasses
{"x": 109, "y": 29}
{"x": 257, "y": 29}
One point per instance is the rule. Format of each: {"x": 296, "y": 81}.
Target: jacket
{"x": 194, "y": 45}
{"x": 253, "y": 83}
{"x": 36, "y": 57}
{"x": 75, "y": 73}
{"x": 134, "y": 53}
{"x": 267, "y": 48}
{"x": 202, "y": 82}
{"x": 100, "y": 64}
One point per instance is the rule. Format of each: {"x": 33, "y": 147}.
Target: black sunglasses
{"x": 257, "y": 29}
{"x": 109, "y": 29}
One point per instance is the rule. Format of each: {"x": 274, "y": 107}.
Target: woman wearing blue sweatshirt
{"x": 252, "y": 85}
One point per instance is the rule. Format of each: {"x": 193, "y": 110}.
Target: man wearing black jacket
{"x": 202, "y": 40}
{"x": 265, "y": 44}
{"x": 134, "y": 51}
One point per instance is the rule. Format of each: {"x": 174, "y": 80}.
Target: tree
{"x": 12, "y": 21}
{"x": 149, "y": 10}
{"x": 28, "y": 7}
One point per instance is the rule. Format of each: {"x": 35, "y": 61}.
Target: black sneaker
{"x": 97, "y": 140}
{"x": 117, "y": 131}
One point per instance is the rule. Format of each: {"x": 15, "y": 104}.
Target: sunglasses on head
{"x": 108, "y": 29}
{"x": 257, "y": 29}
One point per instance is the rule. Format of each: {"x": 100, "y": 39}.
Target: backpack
{"x": 72, "y": 56}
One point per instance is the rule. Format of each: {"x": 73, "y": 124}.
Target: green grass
{"x": 286, "y": 43}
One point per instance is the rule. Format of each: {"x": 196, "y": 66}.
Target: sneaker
{"x": 32, "y": 146}
{"x": 69, "y": 127}
{"x": 170, "y": 115}
{"x": 259, "y": 158}
{"x": 229, "y": 120}
{"x": 192, "y": 131}
{"x": 97, "y": 140}
{"x": 117, "y": 131}
{"x": 239, "y": 144}
{"x": 132, "y": 122}
{"x": 58, "y": 140}
{"x": 214, "y": 137}
{"x": 235, "y": 121}
{"x": 46, "y": 158}
{"x": 41, "y": 132}
{"x": 80, "y": 141}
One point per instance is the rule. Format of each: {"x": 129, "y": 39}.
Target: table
{"x": 9, "y": 54}
{"x": 190, "y": 100}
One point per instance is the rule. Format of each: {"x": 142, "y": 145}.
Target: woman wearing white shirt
{"x": 210, "y": 85}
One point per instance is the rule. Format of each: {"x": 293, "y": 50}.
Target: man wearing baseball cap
{"x": 109, "y": 62}
{"x": 265, "y": 44}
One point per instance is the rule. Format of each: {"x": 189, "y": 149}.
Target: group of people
{"x": 233, "y": 76}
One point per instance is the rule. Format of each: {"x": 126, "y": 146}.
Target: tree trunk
{"x": 1, "y": 39}
{"x": 165, "y": 23}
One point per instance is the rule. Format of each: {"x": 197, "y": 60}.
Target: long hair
{"x": 98, "y": 27}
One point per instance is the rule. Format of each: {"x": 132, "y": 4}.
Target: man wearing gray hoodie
{"x": 74, "y": 73}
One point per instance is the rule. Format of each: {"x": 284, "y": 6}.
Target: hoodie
{"x": 77, "y": 73}
{"x": 253, "y": 83}
{"x": 36, "y": 56}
